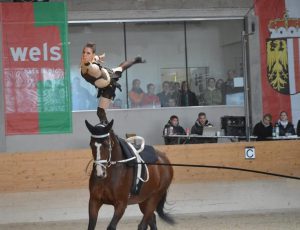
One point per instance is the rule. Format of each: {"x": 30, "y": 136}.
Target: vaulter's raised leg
{"x": 126, "y": 64}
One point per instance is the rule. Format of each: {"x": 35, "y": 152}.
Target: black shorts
{"x": 109, "y": 91}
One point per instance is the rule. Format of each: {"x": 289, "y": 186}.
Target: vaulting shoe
{"x": 139, "y": 59}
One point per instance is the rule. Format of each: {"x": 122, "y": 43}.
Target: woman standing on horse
{"x": 103, "y": 78}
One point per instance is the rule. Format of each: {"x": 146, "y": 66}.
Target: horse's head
{"x": 101, "y": 146}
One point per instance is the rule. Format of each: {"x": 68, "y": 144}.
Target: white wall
{"x": 147, "y": 123}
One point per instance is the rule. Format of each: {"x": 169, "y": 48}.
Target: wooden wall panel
{"x": 66, "y": 169}
{"x": 281, "y": 157}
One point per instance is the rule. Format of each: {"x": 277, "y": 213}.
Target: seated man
{"x": 264, "y": 128}
{"x": 198, "y": 127}
{"x": 173, "y": 128}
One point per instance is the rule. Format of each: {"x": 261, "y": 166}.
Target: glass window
{"x": 109, "y": 39}
{"x": 163, "y": 47}
{"x": 214, "y": 53}
{"x": 187, "y": 63}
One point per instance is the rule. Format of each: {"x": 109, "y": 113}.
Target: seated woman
{"x": 285, "y": 127}
{"x": 264, "y": 128}
{"x": 173, "y": 128}
{"x": 103, "y": 78}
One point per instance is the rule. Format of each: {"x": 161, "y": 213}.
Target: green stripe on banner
{"x": 54, "y": 98}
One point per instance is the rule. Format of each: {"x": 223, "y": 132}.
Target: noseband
{"x": 98, "y": 161}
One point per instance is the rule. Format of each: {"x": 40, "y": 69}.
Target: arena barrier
{"x": 67, "y": 169}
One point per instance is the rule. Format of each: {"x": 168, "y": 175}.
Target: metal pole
{"x": 246, "y": 88}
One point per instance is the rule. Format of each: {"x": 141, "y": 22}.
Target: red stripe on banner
{"x": 18, "y": 117}
{"x": 273, "y": 102}
{"x": 296, "y": 64}
{"x": 31, "y": 54}
{"x": 17, "y": 123}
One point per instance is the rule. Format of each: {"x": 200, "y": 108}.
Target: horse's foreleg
{"x": 148, "y": 208}
{"x": 119, "y": 211}
{"x": 152, "y": 223}
{"x": 94, "y": 206}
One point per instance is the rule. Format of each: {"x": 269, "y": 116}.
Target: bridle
{"x": 98, "y": 161}
{"x": 108, "y": 162}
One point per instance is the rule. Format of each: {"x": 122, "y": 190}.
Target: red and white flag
{"x": 279, "y": 22}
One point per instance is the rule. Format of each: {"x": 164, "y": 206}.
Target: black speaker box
{"x": 233, "y": 125}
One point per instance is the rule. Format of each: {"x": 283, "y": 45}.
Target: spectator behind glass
{"x": 174, "y": 92}
{"x": 286, "y": 128}
{"x": 198, "y": 127}
{"x": 172, "y": 102}
{"x": 234, "y": 95}
{"x": 187, "y": 97}
{"x": 173, "y": 128}
{"x": 177, "y": 87}
{"x": 264, "y": 128}
{"x": 229, "y": 84}
{"x": 298, "y": 128}
{"x": 164, "y": 95}
{"x": 221, "y": 86}
{"x": 212, "y": 95}
{"x": 150, "y": 100}
{"x": 136, "y": 94}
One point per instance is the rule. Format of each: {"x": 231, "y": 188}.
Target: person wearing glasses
{"x": 264, "y": 128}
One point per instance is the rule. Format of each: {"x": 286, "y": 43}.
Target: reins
{"x": 226, "y": 168}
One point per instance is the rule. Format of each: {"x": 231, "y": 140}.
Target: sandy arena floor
{"x": 289, "y": 220}
{"x": 259, "y": 205}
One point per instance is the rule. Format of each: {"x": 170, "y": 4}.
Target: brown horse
{"x": 111, "y": 180}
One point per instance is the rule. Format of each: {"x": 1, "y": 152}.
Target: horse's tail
{"x": 160, "y": 210}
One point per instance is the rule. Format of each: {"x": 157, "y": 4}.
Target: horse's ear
{"x": 90, "y": 127}
{"x": 109, "y": 126}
